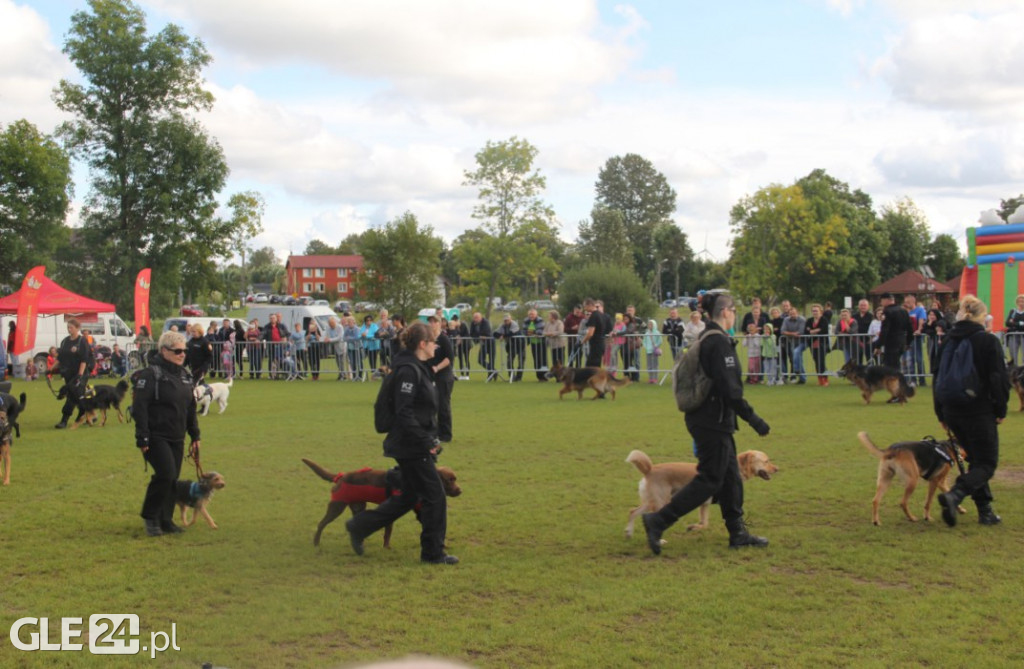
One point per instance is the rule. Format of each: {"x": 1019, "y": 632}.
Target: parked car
{"x": 250, "y": 298}
{"x": 290, "y": 300}
{"x": 541, "y": 305}
{"x": 669, "y": 304}
{"x": 463, "y": 306}
{"x": 342, "y": 306}
{"x": 274, "y": 299}
{"x": 191, "y": 310}
{"x": 512, "y": 305}
{"x": 320, "y": 303}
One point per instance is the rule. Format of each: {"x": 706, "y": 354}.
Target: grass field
{"x": 547, "y": 578}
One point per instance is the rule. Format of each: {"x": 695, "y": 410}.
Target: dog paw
{"x": 961, "y": 509}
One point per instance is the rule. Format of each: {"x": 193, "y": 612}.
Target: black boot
{"x": 153, "y": 527}
{"x": 949, "y": 502}
{"x": 654, "y": 527}
{"x": 740, "y": 538}
{"x": 986, "y": 516}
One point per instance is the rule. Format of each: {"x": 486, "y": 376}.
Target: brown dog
{"x": 579, "y": 380}
{"x": 6, "y": 437}
{"x": 356, "y": 489}
{"x": 871, "y": 378}
{"x": 1016, "y": 375}
{"x": 927, "y": 459}
{"x": 662, "y": 481}
{"x": 196, "y": 495}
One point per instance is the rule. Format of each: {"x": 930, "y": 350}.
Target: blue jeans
{"x": 797, "y": 360}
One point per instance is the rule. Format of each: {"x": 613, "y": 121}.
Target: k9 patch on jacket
{"x": 730, "y": 361}
{"x": 407, "y": 388}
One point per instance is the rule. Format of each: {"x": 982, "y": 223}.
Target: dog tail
{"x": 870, "y": 445}
{"x": 904, "y": 388}
{"x": 22, "y": 397}
{"x": 641, "y": 461}
{"x": 624, "y": 381}
{"x": 320, "y": 471}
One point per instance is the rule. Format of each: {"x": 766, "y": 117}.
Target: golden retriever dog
{"x": 600, "y": 380}
{"x": 660, "y": 482}
{"x": 927, "y": 459}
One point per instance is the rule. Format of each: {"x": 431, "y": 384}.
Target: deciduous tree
{"x": 401, "y": 265}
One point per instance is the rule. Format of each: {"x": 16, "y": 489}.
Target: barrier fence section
{"x": 511, "y": 359}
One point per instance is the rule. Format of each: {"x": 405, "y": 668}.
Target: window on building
{"x": 319, "y": 272}
{"x": 307, "y": 288}
{"x": 320, "y": 288}
{"x": 342, "y": 273}
{"x": 306, "y": 273}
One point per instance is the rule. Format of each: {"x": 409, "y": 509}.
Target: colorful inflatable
{"x": 995, "y": 268}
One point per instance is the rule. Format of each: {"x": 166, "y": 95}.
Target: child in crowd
{"x": 769, "y": 356}
{"x": 227, "y": 356}
{"x": 288, "y": 366}
{"x": 752, "y": 341}
{"x": 31, "y": 371}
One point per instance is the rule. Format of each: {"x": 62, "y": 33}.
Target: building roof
{"x": 911, "y": 283}
{"x": 325, "y": 262}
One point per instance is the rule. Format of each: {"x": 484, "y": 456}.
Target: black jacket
{"x": 415, "y": 429}
{"x": 990, "y": 367}
{"x": 170, "y": 415}
{"x": 198, "y": 353}
{"x": 719, "y": 361}
{"x": 71, "y": 354}
{"x": 896, "y": 332}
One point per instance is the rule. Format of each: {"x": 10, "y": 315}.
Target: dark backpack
{"x": 384, "y": 406}
{"x": 692, "y": 386}
{"x": 957, "y": 381}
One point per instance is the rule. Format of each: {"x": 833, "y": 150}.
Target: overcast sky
{"x": 344, "y": 114}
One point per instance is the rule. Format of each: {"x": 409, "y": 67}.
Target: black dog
{"x": 13, "y": 408}
{"x": 99, "y": 398}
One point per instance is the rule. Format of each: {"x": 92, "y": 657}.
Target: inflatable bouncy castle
{"x": 995, "y": 264}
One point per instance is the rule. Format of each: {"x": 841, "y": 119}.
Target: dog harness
{"x": 349, "y": 492}
{"x": 942, "y": 458}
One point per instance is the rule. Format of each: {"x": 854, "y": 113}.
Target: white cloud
{"x": 531, "y": 59}
{"x": 30, "y": 67}
{"x": 959, "y": 60}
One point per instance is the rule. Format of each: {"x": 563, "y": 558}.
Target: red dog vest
{"x": 349, "y": 493}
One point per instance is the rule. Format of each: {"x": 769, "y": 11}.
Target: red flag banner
{"x": 142, "y": 301}
{"x": 28, "y": 312}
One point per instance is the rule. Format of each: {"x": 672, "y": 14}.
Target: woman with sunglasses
{"x": 165, "y": 410}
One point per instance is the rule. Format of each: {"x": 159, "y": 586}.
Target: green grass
{"x": 547, "y": 578}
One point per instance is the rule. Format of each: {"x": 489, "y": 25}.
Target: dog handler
{"x": 712, "y": 426}
{"x": 411, "y": 443}
{"x": 164, "y": 410}
{"x": 73, "y": 359}
{"x": 975, "y": 423}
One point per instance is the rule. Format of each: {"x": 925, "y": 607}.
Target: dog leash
{"x": 956, "y": 452}
{"x": 193, "y": 455}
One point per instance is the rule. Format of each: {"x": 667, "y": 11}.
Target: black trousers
{"x": 71, "y": 401}
{"x": 718, "y": 476}
{"x": 445, "y": 383}
{"x": 539, "y": 350}
{"x": 420, "y": 483}
{"x": 979, "y": 437}
{"x": 891, "y": 356}
{"x": 165, "y": 458}
{"x": 255, "y": 360}
{"x": 595, "y": 353}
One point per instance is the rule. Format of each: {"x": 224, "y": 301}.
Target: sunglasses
{"x": 175, "y": 351}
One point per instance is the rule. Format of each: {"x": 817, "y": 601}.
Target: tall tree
{"x": 603, "y": 240}
{"x": 945, "y": 258}
{"x": 401, "y": 264}
{"x": 317, "y": 247}
{"x": 35, "y": 182}
{"x": 673, "y": 245}
{"x": 509, "y": 188}
{"x": 247, "y": 209}
{"x": 632, "y": 185}
{"x": 155, "y": 173}
{"x": 351, "y": 244}
{"x": 907, "y": 236}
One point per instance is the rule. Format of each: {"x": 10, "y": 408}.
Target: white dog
{"x": 207, "y": 393}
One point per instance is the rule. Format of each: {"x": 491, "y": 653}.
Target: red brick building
{"x": 323, "y": 275}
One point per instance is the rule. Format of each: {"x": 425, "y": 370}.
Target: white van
{"x": 292, "y": 314}
{"x": 107, "y": 329}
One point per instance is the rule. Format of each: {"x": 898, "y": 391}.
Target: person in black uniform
{"x": 480, "y": 331}
{"x": 164, "y": 409}
{"x": 199, "y": 354}
{"x": 442, "y": 364}
{"x": 975, "y": 422}
{"x": 896, "y": 332}
{"x": 598, "y": 327}
{"x": 412, "y": 442}
{"x": 712, "y": 426}
{"x": 74, "y": 359}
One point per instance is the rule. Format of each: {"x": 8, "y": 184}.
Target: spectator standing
{"x": 313, "y": 338}
{"x": 370, "y": 343}
{"x": 572, "y": 324}
{"x": 692, "y": 329}
{"x": 143, "y": 344}
{"x": 335, "y": 339}
{"x": 770, "y": 355}
{"x": 673, "y": 328}
{"x": 1014, "y": 330}
{"x": 354, "y": 346}
{"x": 276, "y": 337}
{"x": 480, "y": 332}
{"x": 515, "y": 346}
{"x": 458, "y": 333}
{"x": 254, "y": 344}
{"x": 533, "y": 331}
{"x": 816, "y": 328}
{"x": 847, "y": 340}
{"x": 297, "y": 339}
{"x": 863, "y": 318}
{"x": 444, "y": 378}
{"x": 793, "y": 327}
{"x": 652, "y": 342}
{"x": 554, "y": 335}
{"x": 198, "y": 354}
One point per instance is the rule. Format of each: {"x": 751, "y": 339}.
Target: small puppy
{"x": 13, "y": 407}
{"x": 196, "y": 495}
{"x": 6, "y": 433}
{"x": 662, "y": 481}
{"x": 208, "y": 393}
{"x": 368, "y": 486}
{"x": 927, "y": 459}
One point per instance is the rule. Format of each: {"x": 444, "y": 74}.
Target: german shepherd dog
{"x": 587, "y": 377}
{"x": 1016, "y": 375}
{"x": 13, "y": 406}
{"x": 871, "y": 378}
{"x": 102, "y": 398}
{"x": 927, "y": 459}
